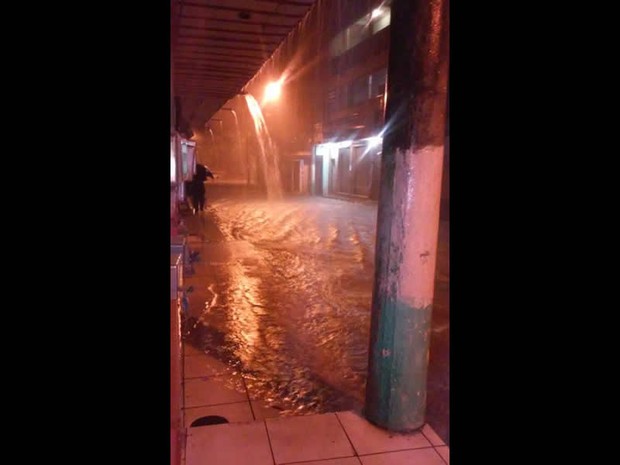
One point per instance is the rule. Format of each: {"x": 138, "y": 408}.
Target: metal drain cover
{"x": 208, "y": 420}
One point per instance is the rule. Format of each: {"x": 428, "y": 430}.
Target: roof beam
{"x": 201, "y": 65}
{"x": 238, "y": 10}
{"x": 212, "y": 80}
{"x": 214, "y": 65}
{"x": 224, "y": 52}
{"x": 234, "y": 31}
{"x": 208, "y": 87}
{"x": 243, "y": 21}
{"x": 205, "y": 90}
{"x": 287, "y": 2}
{"x": 226, "y": 80}
{"x": 199, "y": 69}
{"x": 223, "y": 39}
{"x": 224, "y": 72}
{"x": 223, "y": 47}
{"x": 217, "y": 58}
{"x": 210, "y": 51}
{"x": 209, "y": 93}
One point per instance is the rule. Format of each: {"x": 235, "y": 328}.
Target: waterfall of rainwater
{"x": 238, "y": 154}
{"x": 268, "y": 156}
{"x": 237, "y": 129}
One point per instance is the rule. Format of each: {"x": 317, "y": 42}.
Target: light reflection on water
{"x": 293, "y": 300}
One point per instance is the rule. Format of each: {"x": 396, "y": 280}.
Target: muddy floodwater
{"x": 282, "y": 292}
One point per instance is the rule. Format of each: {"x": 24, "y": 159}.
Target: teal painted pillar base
{"x": 396, "y": 388}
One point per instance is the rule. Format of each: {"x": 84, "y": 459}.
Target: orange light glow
{"x": 273, "y": 91}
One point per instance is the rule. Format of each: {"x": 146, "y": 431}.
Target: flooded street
{"x": 282, "y": 292}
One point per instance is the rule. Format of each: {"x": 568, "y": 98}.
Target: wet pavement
{"x": 282, "y": 292}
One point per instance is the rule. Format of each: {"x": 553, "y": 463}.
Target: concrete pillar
{"x": 408, "y": 214}
{"x": 173, "y": 34}
{"x": 177, "y": 431}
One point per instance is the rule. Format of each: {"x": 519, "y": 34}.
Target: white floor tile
{"x": 432, "y": 436}
{"x": 305, "y": 438}
{"x": 262, "y": 410}
{"x": 201, "y": 392}
{"x": 229, "y": 444}
{"x": 345, "y": 461}
{"x": 189, "y": 350}
{"x": 195, "y": 366}
{"x": 406, "y": 457}
{"x": 444, "y": 451}
{"x": 369, "y": 439}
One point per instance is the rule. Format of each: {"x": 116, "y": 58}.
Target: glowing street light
{"x": 273, "y": 91}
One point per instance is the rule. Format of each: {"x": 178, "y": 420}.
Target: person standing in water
{"x": 197, "y": 188}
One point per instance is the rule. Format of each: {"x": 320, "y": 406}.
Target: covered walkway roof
{"x": 219, "y": 45}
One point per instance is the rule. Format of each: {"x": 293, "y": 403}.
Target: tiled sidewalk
{"x": 257, "y": 435}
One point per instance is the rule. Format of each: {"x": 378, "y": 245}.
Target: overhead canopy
{"x": 219, "y": 45}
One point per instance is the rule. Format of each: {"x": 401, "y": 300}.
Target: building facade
{"x": 328, "y": 122}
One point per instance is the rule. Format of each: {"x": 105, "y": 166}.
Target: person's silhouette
{"x": 198, "y": 186}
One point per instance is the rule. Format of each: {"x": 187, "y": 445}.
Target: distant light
{"x": 344, "y": 144}
{"x": 173, "y": 168}
{"x": 374, "y": 141}
{"x": 333, "y": 148}
{"x": 273, "y": 91}
{"x": 376, "y": 13}
{"x": 322, "y": 150}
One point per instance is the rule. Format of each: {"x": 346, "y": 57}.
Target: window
{"x": 356, "y": 33}
{"x": 360, "y": 30}
{"x": 338, "y": 44}
{"x": 331, "y": 101}
{"x": 333, "y": 66}
{"x": 381, "y": 19}
{"x": 343, "y": 100}
{"x": 359, "y": 90}
{"x": 378, "y": 80}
